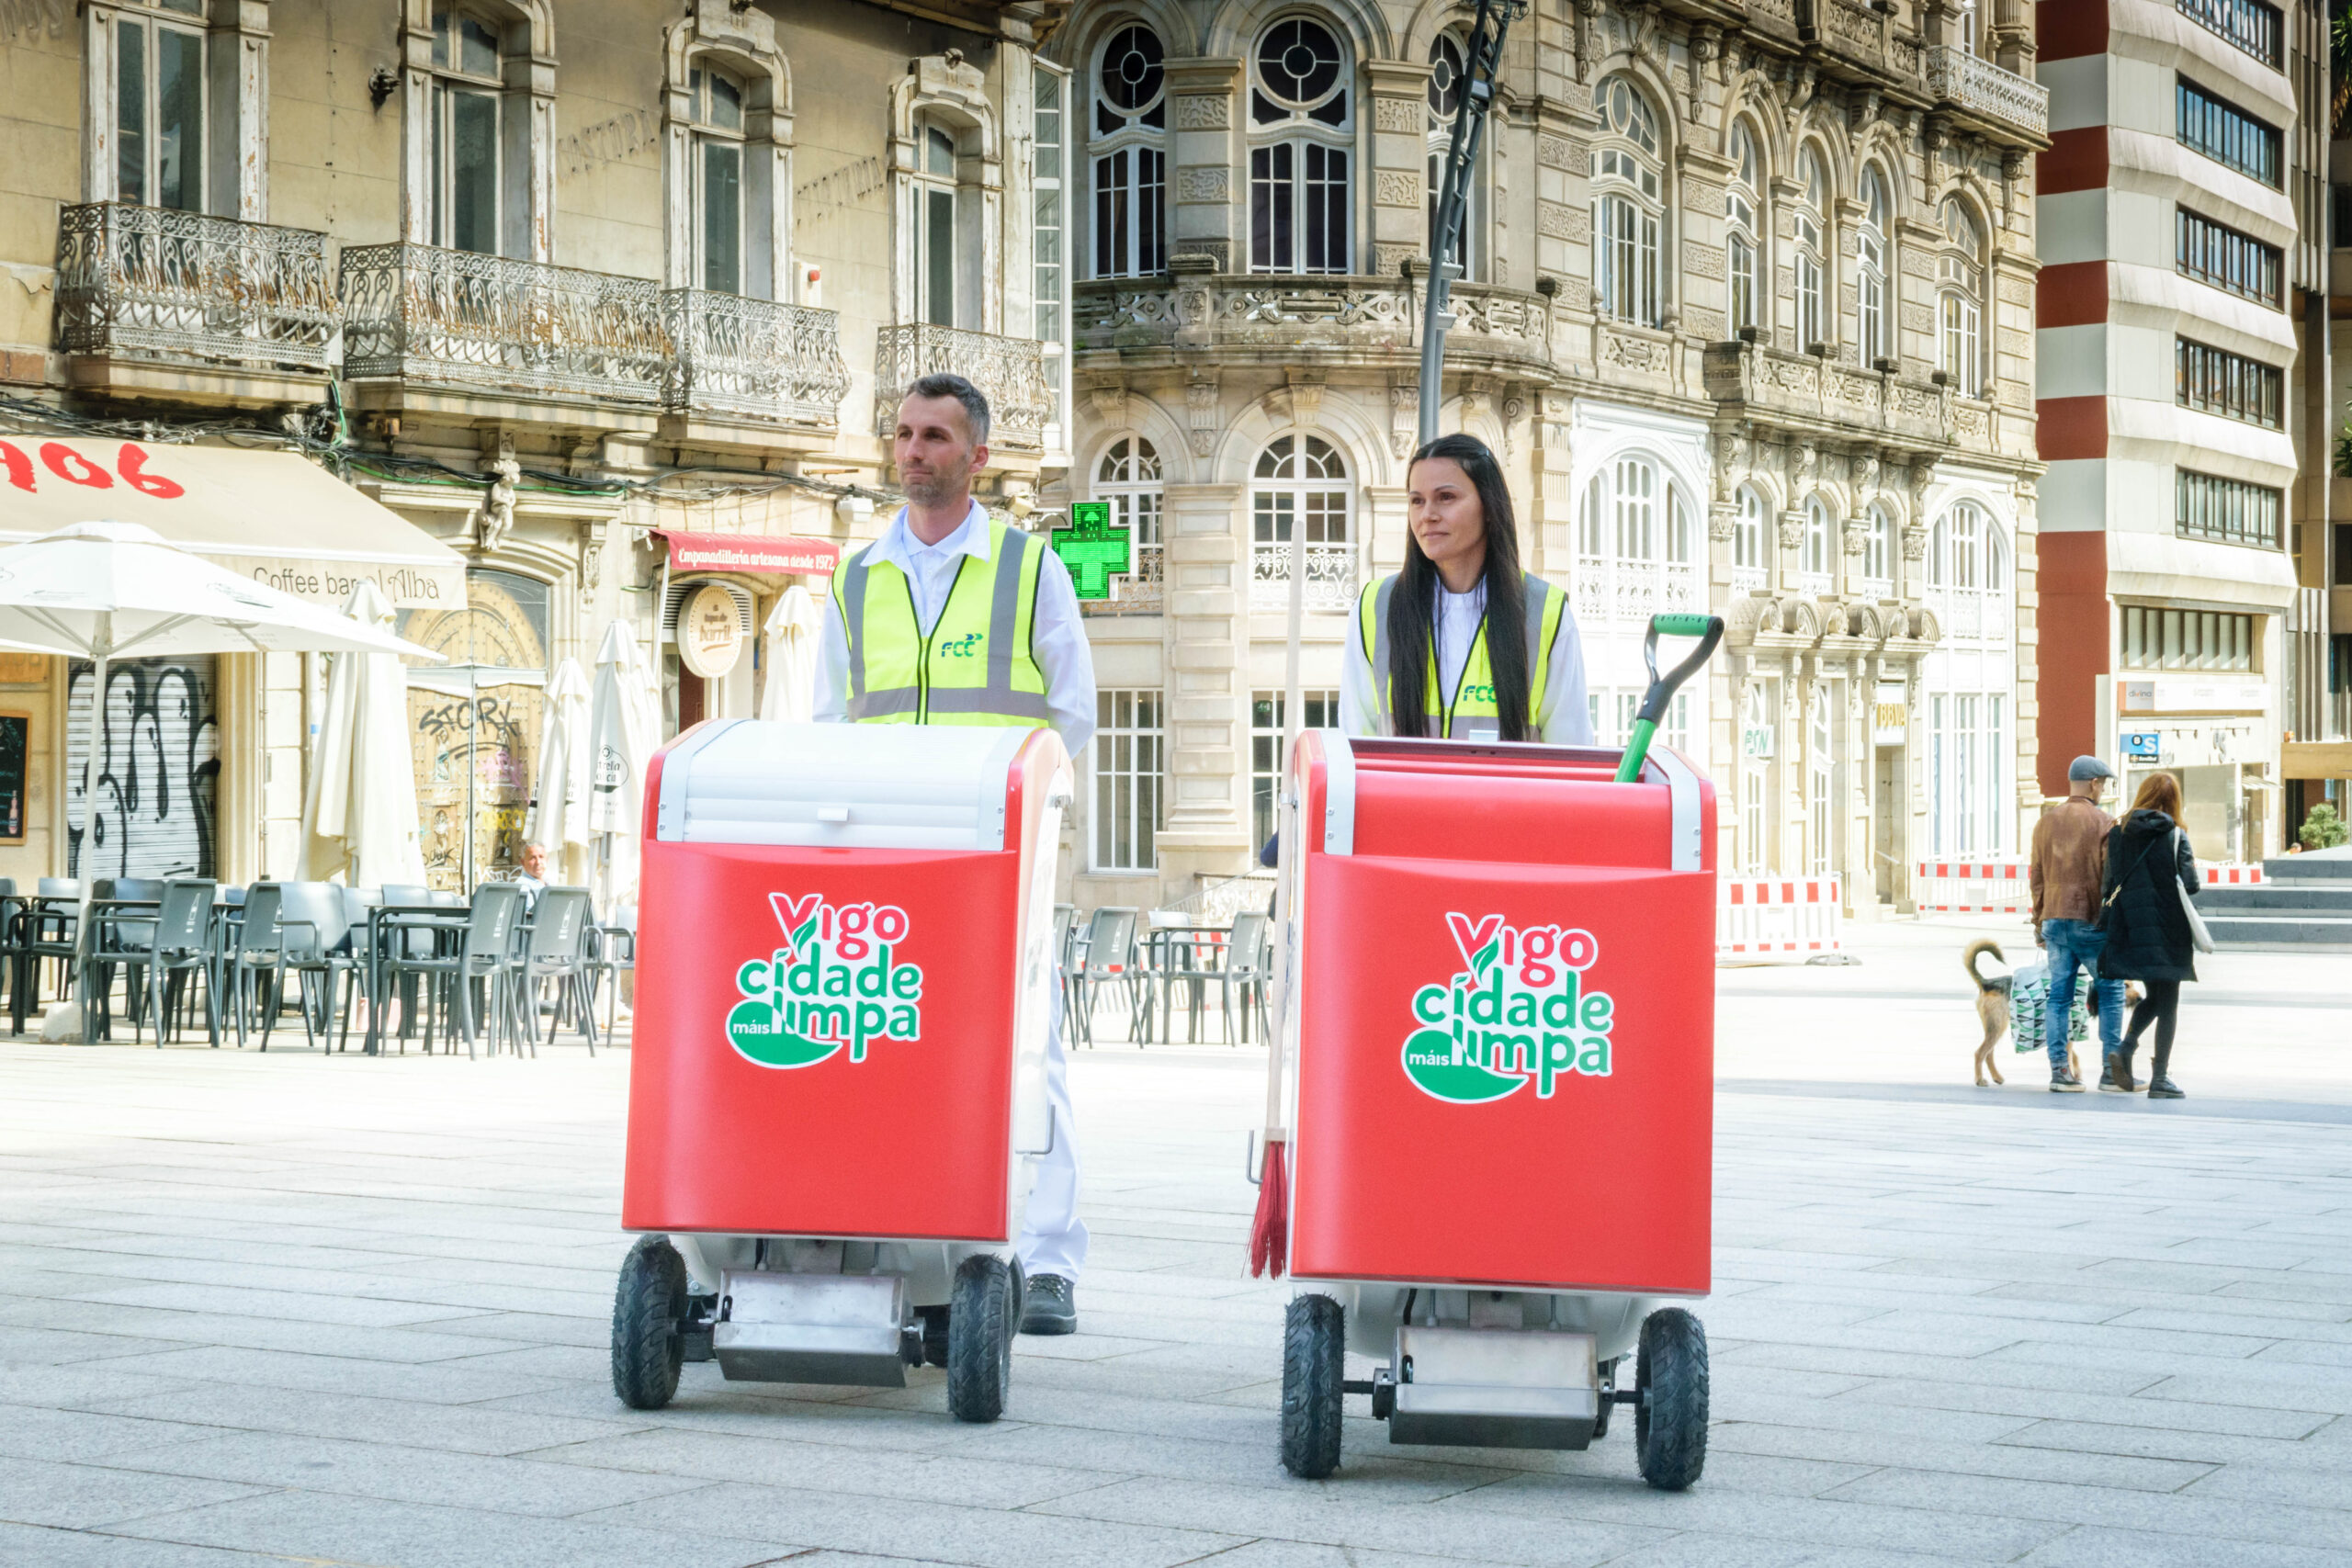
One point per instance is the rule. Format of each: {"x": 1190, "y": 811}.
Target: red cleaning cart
{"x": 844, "y": 987}
{"x": 1497, "y": 1091}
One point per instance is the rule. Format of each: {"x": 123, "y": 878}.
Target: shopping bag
{"x": 2028, "y": 1001}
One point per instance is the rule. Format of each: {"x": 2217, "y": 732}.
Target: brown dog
{"x": 1993, "y": 1011}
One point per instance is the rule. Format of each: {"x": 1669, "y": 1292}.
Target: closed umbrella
{"x": 792, "y": 630}
{"x": 559, "y": 819}
{"x": 624, "y": 726}
{"x": 359, "y": 817}
{"x": 106, "y": 590}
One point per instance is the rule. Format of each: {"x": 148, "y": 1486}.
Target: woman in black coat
{"x": 2148, "y": 938}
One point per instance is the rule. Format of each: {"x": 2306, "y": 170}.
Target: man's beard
{"x": 927, "y": 489}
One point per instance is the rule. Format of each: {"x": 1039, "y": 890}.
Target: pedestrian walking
{"x": 2152, "y": 929}
{"x": 2069, "y": 861}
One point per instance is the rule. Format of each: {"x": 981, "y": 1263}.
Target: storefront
{"x": 719, "y": 593}
{"x": 182, "y": 760}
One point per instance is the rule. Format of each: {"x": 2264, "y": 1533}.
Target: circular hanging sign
{"x": 710, "y": 632}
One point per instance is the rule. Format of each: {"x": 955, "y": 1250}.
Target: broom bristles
{"x": 1270, "y": 1231}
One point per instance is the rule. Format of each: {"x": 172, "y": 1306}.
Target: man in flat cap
{"x": 2069, "y": 863}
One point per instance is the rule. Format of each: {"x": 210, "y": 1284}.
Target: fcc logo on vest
{"x": 835, "y": 981}
{"x": 1520, "y": 1012}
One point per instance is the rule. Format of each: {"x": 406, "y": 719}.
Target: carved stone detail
{"x": 1397, "y": 188}
{"x": 1206, "y": 182}
{"x": 1203, "y": 111}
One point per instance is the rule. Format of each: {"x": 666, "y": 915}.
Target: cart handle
{"x": 1709, "y": 630}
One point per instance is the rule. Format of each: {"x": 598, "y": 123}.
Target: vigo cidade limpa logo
{"x": 1519, "y": 1012}
{"x": 836, "y": 981}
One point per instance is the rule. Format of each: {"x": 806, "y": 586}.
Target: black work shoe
{"x": 2063, "y": 1082}
{"x": 2164, "y": 1089}
{"x": 1053, "y": 1305}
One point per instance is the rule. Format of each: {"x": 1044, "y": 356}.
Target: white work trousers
{"x": 1053, "y": 1238}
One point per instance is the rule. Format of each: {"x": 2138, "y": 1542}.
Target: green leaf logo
{"x": 755, "y": 1030}
{"x": 1429, "y": 1062}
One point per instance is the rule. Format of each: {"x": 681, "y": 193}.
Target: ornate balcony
{"x": 1859, "y": 40}
{"x": 752, "y": 362}
{"x": 154, "y": 299}
{"x": 1010, "y": 370}
{"x": 1822, "y": 397}
{"x": 1283, "y": 319}
{"x": 425, "y": 324}
{"x": 2001, "y": 104}
{"x": 1330, "y": 578}
{"x": 1138, "y": 592}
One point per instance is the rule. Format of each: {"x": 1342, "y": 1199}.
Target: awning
{"x": 748, "y": 552}
{"x": 275, "y": 517}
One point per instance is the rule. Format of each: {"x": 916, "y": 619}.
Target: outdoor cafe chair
{"x": 478, "y": 952}
{"x": 1191, "y": 958}
{"x": 122, "y": 924}
{"x": 1248, "y": 968}
{"x": 1109, "y": 960}
{"x": 612, "y": 947}
{"x": 555, "y": 947}
{"x": 178, "y": 949}
{"x": 45, "y": 929}
{"x": 253, "y": 962}
{"x": 314, "y": 939}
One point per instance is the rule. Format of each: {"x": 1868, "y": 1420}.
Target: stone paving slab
{"x": 261, "y": 1308}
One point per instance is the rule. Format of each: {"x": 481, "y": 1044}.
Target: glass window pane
{"x": 941, "y": 158}
{"x": 939, "y": 257}
{"x": 130, "y": 111}
{"x": 478, "y": 48}
{"x": 722, "y": 217}
{"x": 473, "y": 172}
{"x": 725, "y": 103}
{"x": 179, "y": 119}
{"x": 442, "y": 22}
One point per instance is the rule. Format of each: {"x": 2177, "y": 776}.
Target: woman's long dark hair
{"x": 1411, "y": 604}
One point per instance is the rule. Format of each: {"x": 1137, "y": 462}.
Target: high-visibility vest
{"x": 1471, "y": 706}
{"x": 979, "y": 665}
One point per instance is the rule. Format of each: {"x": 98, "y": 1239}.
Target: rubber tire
{"x": 1315, "y": 1356}
{"x": 935, "y": 1334}
{"x": 1670, "y": 1418}
{"x": 649, "y": 1306}
{"x": 980, "y": 1324}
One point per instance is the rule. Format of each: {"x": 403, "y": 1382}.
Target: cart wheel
{"x": 1670, "y": 1417}
{"x": 935, "y": 1334}
{"x": 980, "y": 1322}
{"x": 1314, "y": 1365}
{"x": 648, "y": 1308}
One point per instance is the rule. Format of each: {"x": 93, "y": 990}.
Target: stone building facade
{"x": 1747, "y": 313}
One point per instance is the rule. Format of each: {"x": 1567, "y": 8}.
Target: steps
{"x": 2303, "y": 905}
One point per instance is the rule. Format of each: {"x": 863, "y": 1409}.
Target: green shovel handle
{"x": 1709, "y": 630}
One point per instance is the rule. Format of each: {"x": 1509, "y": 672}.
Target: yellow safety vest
{"x": 1471, "y": 706}
{"x": 978, "y": 666}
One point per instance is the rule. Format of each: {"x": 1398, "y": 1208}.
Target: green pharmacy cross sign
{"x": 1091, "y": 548}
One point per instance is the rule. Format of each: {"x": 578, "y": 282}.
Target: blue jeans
{"x": 2073, "y": 944}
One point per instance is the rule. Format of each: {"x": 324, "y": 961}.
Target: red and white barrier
{"x": 1776, "y": 917}
{"x": 1971, "y": 887}
{"x": 2232, "y": 874}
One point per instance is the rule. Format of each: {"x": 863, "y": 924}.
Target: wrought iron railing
{"x": 756, "y": 357}
{"x": 1633, "y": 591}
{"x": 418, "y": 313}
{"x": 153, "y": 282}
{"x": 1984, "y": 89}
{"x": 1330, "y": 577}
{"x": 1010, "y": 372}
{"x": 1136, "y": 592}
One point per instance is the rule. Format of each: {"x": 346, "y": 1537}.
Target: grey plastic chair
{"x": 555, "y": 948}
{"x": 1248, "y": 968}
{"x": 180, "y": 946}
{"x": 478, "y": 952}
{"x": 1109, "y": 960}
{"x": 314, "y": 939}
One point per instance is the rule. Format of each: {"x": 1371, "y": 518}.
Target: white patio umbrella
{"x": 559, "y": 819}
{"x": 106, "y": 590}
{"x": 359, "y": 817}
{"x": 624, "y": 726}
{"x": 793, "y": 628}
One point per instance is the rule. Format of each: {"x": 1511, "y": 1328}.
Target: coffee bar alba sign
{"x": 273, "y": 517}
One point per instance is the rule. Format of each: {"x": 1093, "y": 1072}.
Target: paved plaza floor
{"x": 287, "y": 1309}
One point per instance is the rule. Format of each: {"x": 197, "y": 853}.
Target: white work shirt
{"x": 1057, "y": 637}
{"x": 1564, "y": 718}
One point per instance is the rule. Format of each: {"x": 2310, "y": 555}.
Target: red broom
{"x": 1270, "y": 1232}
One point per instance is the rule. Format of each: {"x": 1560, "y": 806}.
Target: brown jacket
{"x": 2069, "y": 860}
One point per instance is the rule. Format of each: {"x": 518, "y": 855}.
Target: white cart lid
{"x": 883, "y": 787}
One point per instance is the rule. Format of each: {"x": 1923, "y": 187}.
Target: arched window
{"x": 1878, "y": 553}
{"x": 1301, "y": 126}
{"x": 1817, "y": 551}
{"x": 1870, "y": 272}
{"x": 1813, "y": 201}
{"x": 1636, "y": 544}
{"x": 465, "y": 145}
{"x": 716, "y": 103}
{"x": 1128, "y": 478}
{"x": 1301, "y": 483}
{"x": 1627, "y": 209}
{"x": 1820, "y": 780}
{"x": 1968, "y": 573}
{"x": 1448, "y": 82}
{"x": 1747, "y": 569}
{"x": 1960, "y": 288}
{"x": 1755, "y": 766}
{"x": 1129, "y": 137}
{"x": 1742, "y": 219}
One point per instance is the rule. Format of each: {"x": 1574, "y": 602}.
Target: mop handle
{"x": 1709, "y": 630}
